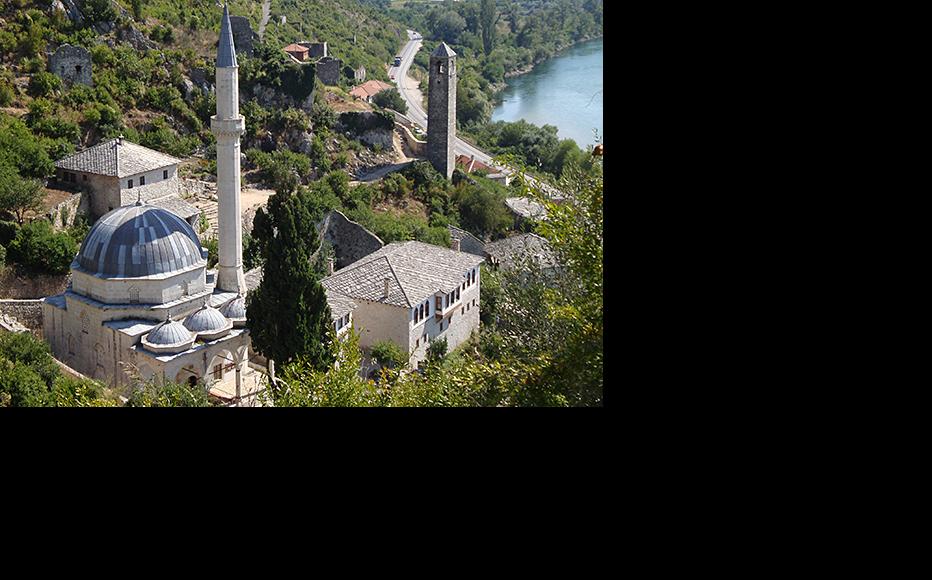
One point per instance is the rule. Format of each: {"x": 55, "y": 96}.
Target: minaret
{"x": 441, "y": 109}
{"x": 227, "y": 125}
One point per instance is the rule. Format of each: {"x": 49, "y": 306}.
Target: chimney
{"x": 456, "y": 245}
{"x": 387, "y": 283}
{"x": 329, "y": 266}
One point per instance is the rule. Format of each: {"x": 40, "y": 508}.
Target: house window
{"x": 457, "y": 293}
{"x": 142, "y": 180}
{"x": 77, "y": 69}
{"x": 165, "y": 174}
{"x": 218, "y": 371}
{"x": 129, "y": 184}
{"x": 462, "y": 311}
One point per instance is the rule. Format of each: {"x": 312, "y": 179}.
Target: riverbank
{"x": 530, "y": 67}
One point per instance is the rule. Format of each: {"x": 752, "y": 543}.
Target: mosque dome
{"x": 140, "y": 240}
{"x": 208, "y": 323}
{"x": 169, "y": 336}
{"x": 235, "y": 310}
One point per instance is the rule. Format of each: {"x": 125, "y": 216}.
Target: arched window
{"x": 85, "y": 322}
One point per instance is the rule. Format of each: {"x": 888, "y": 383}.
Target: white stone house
{"x": 411, "y": 293}
{"x": 117, "y": 172}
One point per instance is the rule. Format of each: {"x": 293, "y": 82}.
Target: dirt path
{"x": 266, "y": 7}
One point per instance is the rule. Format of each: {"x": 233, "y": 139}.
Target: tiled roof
{"x": 296, "y": 48}
{"x": 369, "y": 88}
{"x": 177, "y": 206}
{"x": 116, "y": 158}
{"x": 340, "y": 304}
{"x": 526, "y": 207}
{"x": 470, "y": 164}
{"x": 415, "y": 271}
{"x": 511, "y": 250}
{"x": 468, "y": 242}
{"x": 443, "y": 50}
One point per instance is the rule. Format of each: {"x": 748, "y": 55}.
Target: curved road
{"x": 408, "y": 88}
{"x": 410, "y": 92}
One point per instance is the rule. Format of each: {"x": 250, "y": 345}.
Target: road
{"x": 408, "y": 87}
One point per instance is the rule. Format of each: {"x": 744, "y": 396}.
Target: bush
{"x": 390, "y": 99}
{"x": 43, "y": 84}
{"x": 6, "y": 95}
{"x": 39, "y": 248}
{"x": 388, "y": 354}
{"x": 437, "y": 350}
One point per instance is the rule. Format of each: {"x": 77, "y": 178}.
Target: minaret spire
{"x": 228, "y": 125}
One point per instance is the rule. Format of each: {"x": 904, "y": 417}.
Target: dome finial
{"x": 139, "y": 197}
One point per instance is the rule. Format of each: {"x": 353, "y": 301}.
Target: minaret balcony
{"x": 235, "y": 126}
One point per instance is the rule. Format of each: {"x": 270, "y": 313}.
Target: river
{"x": 565, "y": 91}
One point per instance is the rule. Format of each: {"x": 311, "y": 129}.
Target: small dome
{"x": 208, "y": 323}
{"x": 235, "y": 310}
{"x": 135, "y": 241}
{"x": 169, "y": 336}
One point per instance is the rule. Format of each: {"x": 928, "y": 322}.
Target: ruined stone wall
{"x": 316, "y": 49}
{"x": 63, "y": 215}
{"x": 243, "y": 35}
{"x": 72, "y": 64}
{"x": 27, "y": 312}
{"x": 328, "y": 70}
{"x": 350, "y": 240}
{"x": 418, "y": 147}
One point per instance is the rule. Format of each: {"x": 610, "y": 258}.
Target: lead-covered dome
{"x": 235, "y": 310}
{"x": 140, "y": 240}
{"x": 169, "y": 336}
{"x": 208, "y": 323}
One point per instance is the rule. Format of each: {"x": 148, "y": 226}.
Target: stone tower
{"x": 441, "y": 110}
{"x": 227, "y": 125}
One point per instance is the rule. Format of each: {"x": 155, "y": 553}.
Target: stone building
{"x": 411, "y": 294}
{"x": 467, "y": 242}
{"x": 328, "y": 70}
{"x": 315, "y": 49}
{"x": 72, "y": 64}
{"x": 441, "y": 109}
{"x": 298, "y": 52}
{"x": 355, "y": 75}
{"x": 512, "y": 251}
{"x": 141, "y": 299}
{"x": 369, "y": 89}
{"x": 118, "y": 172}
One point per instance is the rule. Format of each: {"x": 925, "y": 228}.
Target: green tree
{"x": 488, "y": 18}
{"x": 17, "y": 195}
{"x": 288, "y": 313}
{"x": 40, "y": 248}
{"x": 390, "y": 99}
{"x": 482, "y": 211}
{"x": 388, "y": 354}
{"x": 158, "y": 393}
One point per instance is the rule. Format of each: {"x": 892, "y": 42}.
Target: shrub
{"x": 6, "y": 95}
{"x": 38, "y": 247}
{"x": 43, "y": 84}
{"x": 388, "y": 354}
{"x": 437, "y": 350}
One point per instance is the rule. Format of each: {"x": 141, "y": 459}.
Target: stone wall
{"x": 418, "y": 148}
{"x": 350, "y": 240}
{"x": 316, "y": 49}
{"x": 72, "y": 64}
{"x": 19, "y": 283}
{"x": 243, "y": 35}
{"x": 27, "y": 312}
{"x": 63, "y": 215}
{"x": 328, "y": 70}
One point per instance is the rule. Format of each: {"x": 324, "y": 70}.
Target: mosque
{"x": 142, "y": 302}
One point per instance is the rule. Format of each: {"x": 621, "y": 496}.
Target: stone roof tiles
{"x": 414, "y": 270}
{"x": 509, "y": 251}
{"x": 117, "y": 158}
{"x": 226, "y": 52}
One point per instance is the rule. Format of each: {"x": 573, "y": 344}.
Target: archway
{"x": 221, "y": 366}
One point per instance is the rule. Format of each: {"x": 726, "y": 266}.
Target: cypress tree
{"x": 288, "y": 313}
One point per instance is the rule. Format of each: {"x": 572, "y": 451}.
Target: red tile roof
{"x": 470, "y": 164}
{"x": 369, "y": 88}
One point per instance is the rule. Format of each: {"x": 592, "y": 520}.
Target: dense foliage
{"x": 29, "y": 377}
{"x": 541, "y": 342}
{"x": 288, "y": 313}
{"x": 38, "y": 247}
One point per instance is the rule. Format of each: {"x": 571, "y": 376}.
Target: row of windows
{"x": 449, "y": 299}
{"x": 142, "y": 179}
{"x": 342, "y": 322}
{"x": 470, "y": 279}
{"x": 421, "y": 311}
